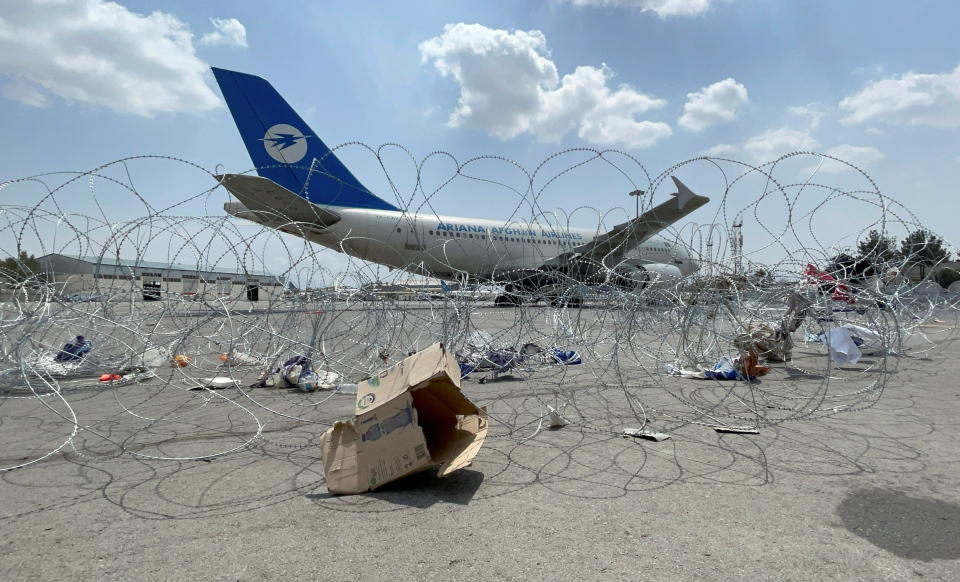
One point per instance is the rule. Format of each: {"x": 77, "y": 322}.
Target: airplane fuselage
{"x": 450, "y": 246}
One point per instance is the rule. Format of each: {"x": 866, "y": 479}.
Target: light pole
{"x": 637, "y": 194}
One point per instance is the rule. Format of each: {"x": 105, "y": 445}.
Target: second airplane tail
{"x": 285, "y": 150}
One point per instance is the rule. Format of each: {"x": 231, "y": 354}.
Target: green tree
{"x": 923, "y": 247}
{"x": 878, "y": 250}
{"x": 20, "y": 268}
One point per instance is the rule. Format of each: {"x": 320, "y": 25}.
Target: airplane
{"x": 302, "y": 188}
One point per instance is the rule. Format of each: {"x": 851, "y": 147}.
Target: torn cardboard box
{"x": 411, "y": 417}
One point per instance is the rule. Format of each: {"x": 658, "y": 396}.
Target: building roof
{"x": 111, "y": 261}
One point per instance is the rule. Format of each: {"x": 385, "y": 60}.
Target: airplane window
{"x": 431, "y": 233}
{"x": 398, "y": 230}
{"x": 458, "y": 235}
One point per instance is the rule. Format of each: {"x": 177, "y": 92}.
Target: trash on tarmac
{"x": 74, "y": 350}
{"x": 554, "y": 419}
{"x": 317, "y": 381}
{"x": 109, "y": 377}
{"x": 153, "y": 357}
{"x": 217, "y": 383}
{"x": 130, "y": 375}
{"x": 347, "y": 388}
{"x": 722, "y": 370}
{"x": 181, "y": 361}
{"x": 409, "y": 418}
{"x": 566, "y": 357}
{"x": 484, "y": 354}
{"x": 236, "y": 358}
{"x": 643, "y": 433}
{"x": 844, "y": 342}
{"x": 295, "y": 367}
{"x": 737, "y": 429}
{"x": 748, "y": 364}
{"x": 745, "y": 367}
{"x": 772, "y": 341}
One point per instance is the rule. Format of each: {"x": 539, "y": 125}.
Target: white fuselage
{"x": 448, "y": 246}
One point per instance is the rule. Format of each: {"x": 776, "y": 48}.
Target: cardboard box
{"x": 409, "y": 418}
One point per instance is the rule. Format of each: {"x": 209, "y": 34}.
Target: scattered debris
{"x": 737, "y": 429}
{"x": 642, "y": 433}
{"x": 75, "y": 350}
{"x": 554, "y": 419}
{"x": 216, "y": 383}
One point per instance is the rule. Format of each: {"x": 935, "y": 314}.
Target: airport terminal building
{"x": 95, "y": 277}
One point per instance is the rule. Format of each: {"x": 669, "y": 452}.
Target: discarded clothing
{"x": 483, "y": 354}
{"x": 74, "y": 351}
{"x": 744, "y": 369}
{"x": 317, "y": 381}
{"x": 565, "y": 357}
{"x": 298, "y": 372}
{"x": 722, "y": 370}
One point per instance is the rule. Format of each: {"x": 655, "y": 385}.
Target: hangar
{"x": 93, "y": 277}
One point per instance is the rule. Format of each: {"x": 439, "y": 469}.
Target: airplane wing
{"x": 274, "y": 203}
{"x": 624, "y": 237}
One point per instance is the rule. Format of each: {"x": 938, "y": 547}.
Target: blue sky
{"x": 877, "y": 83}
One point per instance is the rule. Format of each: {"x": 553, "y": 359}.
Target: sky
{"x": 876, "y": 83}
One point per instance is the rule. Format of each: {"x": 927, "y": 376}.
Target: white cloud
{"x": 24, "y": 92}
{"x": 860, "y": 156}
{"x": 909, "y": 99}
{"x": 721, "y": 149}
{"x": 774, "y": 143}
{"x": 812, "y": 114}
{"x": 98, "y": 52}
{"x": 716, "y": 103}
{"x": 227, "y": 32}
{"x": 663, "y": 8}
{"x": 509, "y": 86}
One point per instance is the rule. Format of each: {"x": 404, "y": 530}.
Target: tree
{"x": 923, "y": 247}
{"x": 878, "y": 250}
{"x": 847, "y": 268}
{"x": 20, "y": 268}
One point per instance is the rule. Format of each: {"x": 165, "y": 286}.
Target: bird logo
{"x": 285, "y": 143}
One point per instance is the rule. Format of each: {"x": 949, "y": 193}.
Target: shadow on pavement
{"x": 910, "y": 527}
{"x": 423, "y": 489}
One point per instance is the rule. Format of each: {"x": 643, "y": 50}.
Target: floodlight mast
{"x": 637, "y": 194}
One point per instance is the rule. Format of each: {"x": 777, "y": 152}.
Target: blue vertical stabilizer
{"x": 285, "y": 150}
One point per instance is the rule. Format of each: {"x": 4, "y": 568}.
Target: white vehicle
{"x": 302, "y": 188}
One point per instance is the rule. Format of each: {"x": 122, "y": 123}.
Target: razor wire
{"x": 645, "y": 346}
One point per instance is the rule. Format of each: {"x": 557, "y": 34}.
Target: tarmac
{"x": 865, "y": 495}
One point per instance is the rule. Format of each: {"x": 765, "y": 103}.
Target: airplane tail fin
{"x": 285, "y": 150}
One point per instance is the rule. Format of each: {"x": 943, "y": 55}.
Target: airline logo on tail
{"x": 285, "y": 143}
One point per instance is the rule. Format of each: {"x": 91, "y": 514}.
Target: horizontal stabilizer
{"x": 274, "y": 202}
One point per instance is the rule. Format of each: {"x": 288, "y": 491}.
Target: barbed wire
{"x": 649, "y": 349}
